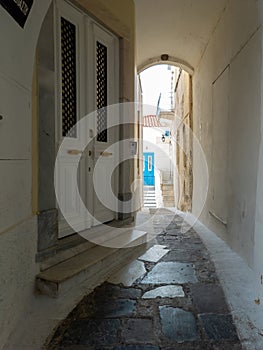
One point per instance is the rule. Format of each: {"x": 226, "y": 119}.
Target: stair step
{"x": 168, "y": 204}
{"x": 112, "y": 237}
{"x": 168, "y": 194}
{"x": 167, "y": 187}
{"x": 151, "y": 188}
{"x": 93, "y": 266}
{"x": 168, "y": 198}
{"x": 67, "y": 269}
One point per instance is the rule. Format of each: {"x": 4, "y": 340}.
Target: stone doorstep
{"x": 94, "y": 265}
{"x": 63, "y": 255}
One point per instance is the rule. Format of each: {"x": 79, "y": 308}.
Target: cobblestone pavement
{"x": 177, "y": 304}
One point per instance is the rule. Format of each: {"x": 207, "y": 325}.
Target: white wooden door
{"x": 104, "y": 76}
{"x": 88, "y": 75}
{"x": 71, "y": 182}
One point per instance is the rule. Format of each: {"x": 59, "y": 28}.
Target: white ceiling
{"x": 180, "y": 28}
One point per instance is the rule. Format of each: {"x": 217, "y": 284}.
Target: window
{"x": 149, "y": 163}
{"x": 68, "y": 77}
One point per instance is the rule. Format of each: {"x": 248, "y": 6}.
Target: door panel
{"x": 71, "y": 108}
{"x": 105, "y": 46}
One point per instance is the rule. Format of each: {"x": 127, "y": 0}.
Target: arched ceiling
{"x": 180, "y": 28}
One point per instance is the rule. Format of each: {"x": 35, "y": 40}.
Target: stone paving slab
{"x": 218, "y": 327}
{"x": 141, "y": 308}
{"x": 178, "y": 325}
{"x": 138, "y": 330}
{"x": 209, "y": 298}
{"x": 171, "y": 272}
{"x": 165, "y": 292}
{"x": 92, "y": 332}
{"x": 136, "y": 347}
{"x": 130, "y": 273}
{"x": 186, "y": 254}
{"x": 117, "y": 308}
{"x": 154, "y": 254}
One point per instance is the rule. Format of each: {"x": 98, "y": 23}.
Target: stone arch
{"x": 166, "y": 60}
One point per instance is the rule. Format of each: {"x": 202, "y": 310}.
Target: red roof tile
{"x": 151, "y": 121}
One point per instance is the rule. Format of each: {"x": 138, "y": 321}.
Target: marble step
{"x": 92, "y": 267}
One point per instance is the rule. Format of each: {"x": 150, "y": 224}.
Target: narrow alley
{"x": 174, "y": 301}
{"x": 124, "y": 225}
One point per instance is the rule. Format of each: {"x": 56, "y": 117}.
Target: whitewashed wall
{"x": 18, "y": 232}
{"x": 162, "y": 151}
{"x": 227, "y": 120}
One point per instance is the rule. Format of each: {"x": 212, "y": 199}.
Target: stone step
{"x": 167, "y": 187}
{"x": 65, "y": 255}
{"x": 113, "y": 237}
{"x": 168, "y": 198}
{"x": 151, "y": 188}
{"x": 168, "y": 193}
{"x": 94, "y": 266}
{"x": 169, "y": 204}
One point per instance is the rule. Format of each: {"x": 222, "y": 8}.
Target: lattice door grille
{"x": 69, "y": 77}
{"x": 101, "y": 72}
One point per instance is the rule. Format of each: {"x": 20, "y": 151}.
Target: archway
{"x": 174, "y": 123}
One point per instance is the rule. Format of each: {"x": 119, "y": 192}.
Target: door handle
{"x": 105, "y": 154}
{"x": 74, "y": 152}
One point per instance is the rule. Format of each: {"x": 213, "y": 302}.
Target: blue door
{"x": 148, "y": 168}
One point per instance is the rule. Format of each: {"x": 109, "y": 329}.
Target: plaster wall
{"x": 18, "y": 224}
{"x": 229, "y": 75}
{"x": 162, "y": 151}
{"x": 18, "y": 233}
{"x": 182, "y": 133}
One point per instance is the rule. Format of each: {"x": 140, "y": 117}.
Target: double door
{"x": 87, "y": 82}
